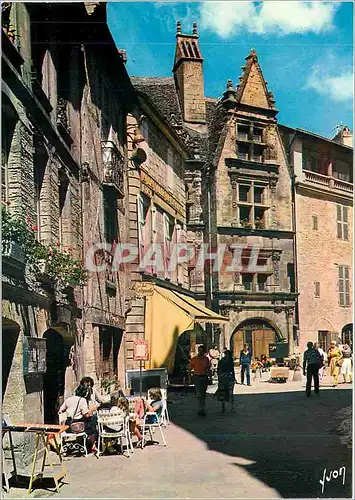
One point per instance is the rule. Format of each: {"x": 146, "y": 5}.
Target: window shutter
{"x": 339, "y": 218}
{"x": 345, "y": 232}
{"x": 346, "y": 272}
{"x": 339, "y": 230}
{"x": 141, "y": 222}
{"x": 315, "y": 222}
{"x": 345, "y": 214}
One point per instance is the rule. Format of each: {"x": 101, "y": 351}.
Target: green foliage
{"x": 59, "y": 266}
{"x": 107, "y": 383}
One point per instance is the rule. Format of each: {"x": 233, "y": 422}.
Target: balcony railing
{"x": 242, "y": 156}
{"x": 328, "y": 182}
{"x": 242, "y": 136}
{"x": 113, "y": 163}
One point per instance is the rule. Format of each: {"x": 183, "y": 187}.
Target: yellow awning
{"x": 197, "y": 312}
{"x": 167, "y": 315}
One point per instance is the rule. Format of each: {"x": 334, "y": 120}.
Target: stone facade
{"x": 157, "y": 207}
{"x": 64, "y": 159}
{"x": 324, "y": 232}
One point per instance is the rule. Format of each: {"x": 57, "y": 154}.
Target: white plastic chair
{"x": 164, "y": 413}
{"x": 112, "y": 420}
{"x": 70, "y": 442}
{"x": 149, "y": 427}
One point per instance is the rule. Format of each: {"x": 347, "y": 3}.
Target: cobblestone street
{"x": 276, "y": 445}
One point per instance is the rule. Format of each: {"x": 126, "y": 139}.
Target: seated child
{"x": 155, "y": 406}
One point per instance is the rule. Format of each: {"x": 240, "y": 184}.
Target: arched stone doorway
{"x": 258, "y": 333}
{"x": 57, "y": 360}
{"x": 10, "y": 333}
{"x": 347, "y": 335}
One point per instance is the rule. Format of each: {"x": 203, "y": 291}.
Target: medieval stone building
{"x": 239, "y": 198}
{"x": 65, "y": 94}
{"x": 323, "y": 193}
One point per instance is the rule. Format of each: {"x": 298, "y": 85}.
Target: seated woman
{"x": 76, "y": 409}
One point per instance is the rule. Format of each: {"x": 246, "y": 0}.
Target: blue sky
{"x": 305, "y": 50}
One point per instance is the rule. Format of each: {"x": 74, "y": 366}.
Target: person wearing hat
{"x": 347, "y": 367}
{"x": 334, "y": 361}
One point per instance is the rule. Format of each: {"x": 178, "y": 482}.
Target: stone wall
{"x": 319, "y": 252}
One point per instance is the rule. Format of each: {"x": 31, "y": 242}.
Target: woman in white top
{"x": 76, "y": 409}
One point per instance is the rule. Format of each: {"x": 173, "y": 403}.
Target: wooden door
{"x": 258, "y": 343}
{"x": 261, "y": 341}
{"x": 238, "y": 343}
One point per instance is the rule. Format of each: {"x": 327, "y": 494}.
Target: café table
{"x": 46, "y": 434}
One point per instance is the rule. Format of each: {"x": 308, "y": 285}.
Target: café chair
{"x": 107, "y": 421}
{"x": 71, "y": 442}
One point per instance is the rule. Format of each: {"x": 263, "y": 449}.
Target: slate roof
{"x": 162, "y": 92}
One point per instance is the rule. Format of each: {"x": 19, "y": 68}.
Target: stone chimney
{"x": 188, "y": 75}
{"x": 344, "y": 137}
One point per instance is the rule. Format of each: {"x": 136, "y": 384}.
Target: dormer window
{"x": 250, "y": 142}
{"x": 243, "y": 151}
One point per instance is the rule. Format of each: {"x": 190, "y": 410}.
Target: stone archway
{"x": 347, "y": 335}
{"x": 10, "y": 334}
{"x": 58, "y": 347}
{"x": 256, "y": 332}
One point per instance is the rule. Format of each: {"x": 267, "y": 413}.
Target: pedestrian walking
{"x": 321, "y": 371}
{"x": 200, "y": 366}
{"x": 226, "y": 380}
{"x": 347, "y": 366}
{"x": 214, "y": 356}
{"x": 334, "y": 361}
{"x": 312, "y": 360}
{"x": 245, "y": 361}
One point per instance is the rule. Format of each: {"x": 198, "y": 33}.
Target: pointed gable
{"x": 252, "y": 89}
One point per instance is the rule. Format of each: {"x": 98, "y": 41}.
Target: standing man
{"x": 244, "y": 361}
{"x": 312, "y": 361}
{"x": 200, "y": 366}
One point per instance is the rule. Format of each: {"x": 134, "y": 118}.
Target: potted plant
{"x": 245, "y": 223}
{"x": 259, "y": 223}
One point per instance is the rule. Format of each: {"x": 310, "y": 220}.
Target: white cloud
{"x": 279, "y": 17}
{"x": 337, "y": 87}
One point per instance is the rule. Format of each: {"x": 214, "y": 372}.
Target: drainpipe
{"x": 294, "y": 229}
{"x": 210, "y": 247}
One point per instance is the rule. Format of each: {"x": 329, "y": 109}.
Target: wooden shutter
{"x": 339, "y": 222}
{"x": 346, "y": 286}
{"x": 341, "y": 286}
{"x": 315, "y": 222}
{"x": 141, "y": 223}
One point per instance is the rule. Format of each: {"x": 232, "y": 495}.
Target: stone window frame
{"x": 247, "y": 139}
{"x": 251, "y": 204}
{"x": 257, "y": 278}
{"x": 344, "y": 285}
{"x": 342, "y": 214}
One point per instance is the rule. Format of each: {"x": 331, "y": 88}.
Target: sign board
{"x": 144, "y": 289}
{"x": 141, "y": 350}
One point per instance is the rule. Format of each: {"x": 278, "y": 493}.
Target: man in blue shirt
{"x": 245, "y": 361}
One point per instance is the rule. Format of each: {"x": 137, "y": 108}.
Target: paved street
{"x": 276, "y": 445}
